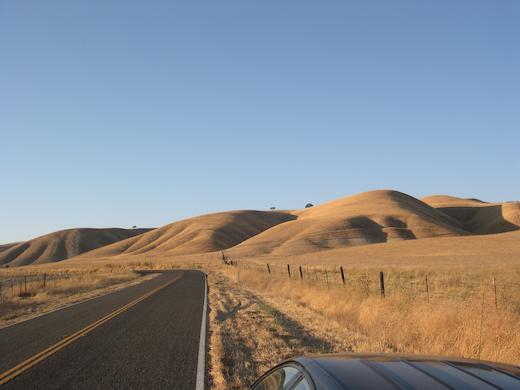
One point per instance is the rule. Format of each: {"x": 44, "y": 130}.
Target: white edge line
{"x": 201, "y": 363}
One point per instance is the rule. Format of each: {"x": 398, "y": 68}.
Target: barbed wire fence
{"x": 429, "y": 286}
{"x": 27, "y": 285}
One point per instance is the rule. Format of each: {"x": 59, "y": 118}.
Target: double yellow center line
{"x": 25, "y": 365}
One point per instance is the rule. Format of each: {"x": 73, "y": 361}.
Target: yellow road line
{"x": 25, "y": 365}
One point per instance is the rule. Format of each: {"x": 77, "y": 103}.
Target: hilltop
{"x": 382, "y": 217}
{"x": 367, "y": 218}
{"x": 202, "y": 234}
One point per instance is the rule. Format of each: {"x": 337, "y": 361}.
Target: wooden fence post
{"x": 268, "y": 268}
{"x": 44, "y": 280}
{"x": 382, "y": 283}
{"x": 25, "y": 280}
{"x": 342, "y": 276}
{"x": 495, "y": 291}
{"x": 327, "y": 277}
{"x": 289, "y": 270}
{"x": 481, "y": 323}
{"x": 427, "y": 288}
{"x": 301, "y": 273}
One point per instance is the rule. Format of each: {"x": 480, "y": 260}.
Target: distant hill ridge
{"x": 205, "y": 233}
{"x": 4, "y": 247}
{"x": 367, "y": 218}
{"x": 479, "y": 217}
{"x": 62, "y": 245}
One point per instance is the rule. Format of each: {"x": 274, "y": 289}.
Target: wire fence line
{"x": 422, "y": 285}
{"x": 25, "y": 285}
{"x": 18, "y": 284}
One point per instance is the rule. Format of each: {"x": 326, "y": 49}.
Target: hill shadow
{"x": 481, "y": 220}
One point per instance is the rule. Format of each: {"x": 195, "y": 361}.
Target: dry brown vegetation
{"x": 477, "y": 216}
{"x": 463, "y": 252}
{"x": 206, "y": 233}
{"x": 335, "y": 231}
{"x": 459, "y": 245}
{"x": 23, "y": 294}
{"x": 367, "y": 218}
{"x": 259, "y": 319}
{"x": 61, "y": 245}
{"x": 249, "y": 335}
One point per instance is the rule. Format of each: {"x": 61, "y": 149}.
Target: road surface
{"x": 146, "y": 336}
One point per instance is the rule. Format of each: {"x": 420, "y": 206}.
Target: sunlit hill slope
{"x": 383, "y": 217}
{"x": 62, "y": 245}
{"x": 206, "y": 233}
{"x": 371, "y": 217}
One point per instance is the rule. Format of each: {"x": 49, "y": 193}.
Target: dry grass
{"x": 458, "y": 319}
{"x": 366, "y": 218}
{"x": 466, "y": 251}
{"x": 205, "y": 233}
{"x": 248, "y": 335}
{"x": 70, "y": 282}
{"x": 62, "y": 287}
{"x": 259, "y": 319}
{"x": 61, "y": 245}
{"x": 455, "y": 282}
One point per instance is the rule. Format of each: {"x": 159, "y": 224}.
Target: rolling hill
{"x": 206, "y": 233}
{"x": 473, "y": 250}
{"x": 370, "y": 217}
{"x": 476, "y": 216}
{"x": 375, "y": 217}
{"x": 62, "y": 245}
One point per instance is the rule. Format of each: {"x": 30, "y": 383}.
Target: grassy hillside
{"x": 389, "y": 220}
{"x": 206, "y": 233}
{"x": 62, "y": 245}
{"x": 4, "y": 247}
{"x": 479, "y": 217}
{"x": 367, "y": 218}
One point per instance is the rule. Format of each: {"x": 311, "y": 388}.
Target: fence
{"x": 412, "y": 284}
{"x": 27, "y": 285}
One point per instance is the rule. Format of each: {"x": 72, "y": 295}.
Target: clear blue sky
{"x": 121, "y": 113}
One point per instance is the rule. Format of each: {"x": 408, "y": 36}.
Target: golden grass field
{"x": 260, "y": 318}
{"x": 341, "y": 230}
{"x": 468, "y": 250}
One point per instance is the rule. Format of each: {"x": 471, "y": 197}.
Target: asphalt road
{"x": 153, "y": 344}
